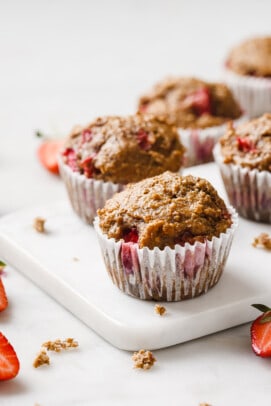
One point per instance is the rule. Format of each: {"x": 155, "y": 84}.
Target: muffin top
{"x": 191, "y": 103}
{"x": 249, "y": 145}
{"x": 252, "y": 57}
{"x": 165, "y": 210}
{"x": 124, "y": 149}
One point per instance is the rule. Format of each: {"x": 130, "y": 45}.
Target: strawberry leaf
{"x": 2, "y": 264}
{"x": 261, "y": 307}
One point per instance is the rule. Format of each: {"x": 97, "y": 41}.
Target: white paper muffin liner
{"x": 86, "y": 195}
{"x": 249, "y": 190}
{"x": 168, "y": 274}
{"x": 199, "y": 143}
{"x": 253, "y": 93}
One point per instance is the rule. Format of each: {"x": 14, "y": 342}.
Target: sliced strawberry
{"x": 9, "y": 363}
{"x": 261, "y": 332}
{"x": 3, "y": 297}
{"x": 143, "y": 140}
{"x": 47, "y": 154}
{"x": 200, "y": 101}
{"x": 131, "y": 235}
{"x": 245, "y": 145}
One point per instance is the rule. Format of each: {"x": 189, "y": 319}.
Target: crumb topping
{"x": 263, "y": 240}
{"x": 165, "y": 210}
{"x": 161, "y": 310}
{"x": 41, "y": 359}
{"x": 143, "y": 359}
{"x": 59, "y": 345}
{"x": 252, "y": 57}
{"x": 190, "y": 102}
{"x": 124, "y": 149}
{"x": 249, "y": 145}
{"x": 39, "y": 224}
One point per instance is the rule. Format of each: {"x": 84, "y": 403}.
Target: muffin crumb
{"x": 41, "y": 359}
{"x": 39, "y": 224}
{"x": 59, "y": 345}
{"x": 263, "y": 241}
{"x": 143, "y": 359}
{"x": 204, "y": 404}
{"x": 161, "y": 310}
{"x": 75, "y": 259}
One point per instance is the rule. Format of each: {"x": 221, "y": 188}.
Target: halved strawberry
{"x": 9, "y": 363}
{"x": 3, "y": 297}
{"x": 47, "y": 154}
{"x": 261, "y": 332}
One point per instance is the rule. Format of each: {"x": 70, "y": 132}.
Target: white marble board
{"x": 85, "y": 289}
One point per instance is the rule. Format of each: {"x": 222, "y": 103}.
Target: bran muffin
{"x": 160, "y": 237}
{"x": 248, "y": 73}
{"x": 98, "y": 160}
{"x": 244, "y": 158}
{"x": 199, "y": 109}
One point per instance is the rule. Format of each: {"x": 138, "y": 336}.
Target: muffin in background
{"x": 166, "y": 237}
{"x": 101, "y": 158}
{"x": 244, "y": 157}
{"x": 248, "y": 74}
{"x": 197, "y": 108}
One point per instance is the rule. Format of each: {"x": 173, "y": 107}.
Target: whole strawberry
{"x": 261, "y": 332}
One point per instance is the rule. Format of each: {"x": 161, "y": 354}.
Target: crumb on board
{"x": 59, "y": 345}
{"x": 143, "y": 359}
{"x": 263, "y": 240}
{"x": 38, "y": 224}
{"x": 159, "y": 309}
{"x": 75, "y": 259}
{"x": 41, "y": 359}
{"x": 204, "y": 404}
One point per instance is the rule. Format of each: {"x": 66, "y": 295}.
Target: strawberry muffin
{"x": 248, "y": 73}
{"x": 166, "y": 237}
{"x": 99, "y": 159}
{"x": 198, "y": 109}
{"x": 244, "y": 157}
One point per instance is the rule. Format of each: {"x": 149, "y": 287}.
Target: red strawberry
{"x": 245, "y": 145}
{"x": 261, "y": 332}
{"x": 200, "y": 101}
{"x": 9, "y": 363}
{"x": 143, "y": 140}
{"x": 47, "y": 154}
{"x": 131, "y": 235}
{"x": 3, "y": 297}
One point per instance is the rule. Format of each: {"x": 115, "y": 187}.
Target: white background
{"x": 65, "y": 62}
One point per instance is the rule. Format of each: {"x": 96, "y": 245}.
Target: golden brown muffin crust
{"x": 165, "y": 210}
{"x": 249, "y": 145}
{"x": 190, "y": 102}
{"x": 251, "y": 57}
{"x": 124, "y": 149}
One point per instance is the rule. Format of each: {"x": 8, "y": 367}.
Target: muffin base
{"x": 86, "y": 195}
{"x": 199, "y": 143}
{"x": 253, "y": 93}
{"x": 170, "y": 274}
{"x": 249, "y": 191}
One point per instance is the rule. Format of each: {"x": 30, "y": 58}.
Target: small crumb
{"x": 75, "y": 259}
{"x": 59, "y": 345}
{"x": 160, "y": 309}
{"x": 41, "y": 359}
{"x": 39, "y": 224}
{"x": 204, "y": 404}
{"x": 263, "y": 240}
{"x": 143, "y": 359}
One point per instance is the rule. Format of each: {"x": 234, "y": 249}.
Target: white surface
{"x": 85, "y": 289}
{"x": 63, "y": 62}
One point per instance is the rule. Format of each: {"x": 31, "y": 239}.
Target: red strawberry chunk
{"x": 261, "y": 336}
{"x": 71, "y": 159}
{"x": 129, "y": 257}
{"x": 88, "y": 166}
{"x": 245, "y": 145}
{"x": 143, "y": 107}
{"x": 3, "y": 297}
{"x": 200, "y": 101}
{"x": 86, "y": 135}
{"x": 143, "y": 140}
{"x": 131, "y": 235}
{"x": 9, "y": 363}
